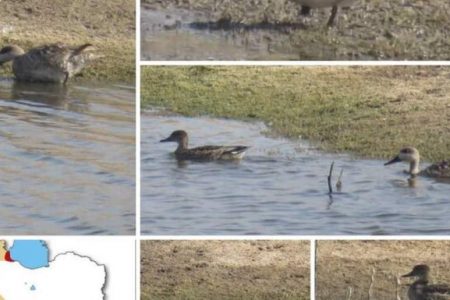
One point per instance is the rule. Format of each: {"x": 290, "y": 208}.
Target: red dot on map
{"x": 8, "y": 257}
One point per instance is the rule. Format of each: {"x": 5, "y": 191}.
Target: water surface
{"x": 279, "y": 188}
{"x": 179, "y": 34}
{"x": 67, "y": 159}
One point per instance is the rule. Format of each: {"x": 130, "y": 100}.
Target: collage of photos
{"x": 224, "y": 150}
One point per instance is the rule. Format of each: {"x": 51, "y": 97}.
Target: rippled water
{"x": 279, "y": 188}
{"x": 178, "y": 34}
{"x": 67, "y": 159}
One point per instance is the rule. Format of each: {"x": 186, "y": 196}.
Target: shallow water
{"x": 67, "y": 159}
{"x": 279, "y": 188}
{"x": 178, "y": 34}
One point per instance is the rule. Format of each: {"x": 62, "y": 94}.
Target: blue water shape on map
{"x": 31, "y": 254}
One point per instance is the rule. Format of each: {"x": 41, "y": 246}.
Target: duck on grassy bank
{"x": 307, "y": 5}
{"x": 422, "y": 290}
{"x": 50, "y": 63}
{"x": 412, "y": 156}
{"x": 203, "y": 153}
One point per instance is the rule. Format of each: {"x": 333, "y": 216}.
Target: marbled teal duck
{"x": 49, "y": 63}
{"x": 422, "y": 290}
{"x": 307, "y": 5}
{"x": 412, "y": 156}
{"x": 204, "y": 153}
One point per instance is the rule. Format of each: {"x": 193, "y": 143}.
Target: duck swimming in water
{"x": 49, "y": 63}
{"x": 203, "y": 152}
{"x": 307, "y": 5}
{"x": 412, "y": 156}
{"x": 422, "y": 290}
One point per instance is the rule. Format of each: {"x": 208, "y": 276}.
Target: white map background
{"x": 117, "y": 253}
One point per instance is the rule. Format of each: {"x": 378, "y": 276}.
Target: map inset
{"x": 27, "y": 273}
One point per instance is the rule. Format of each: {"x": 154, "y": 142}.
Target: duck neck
{"x": 414, "y": 167}
{"x": 10, "y": 55}
{"x": 182, "y": 144}
{"x": 423, "y": 279}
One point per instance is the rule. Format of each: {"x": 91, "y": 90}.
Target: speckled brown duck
{"x": 411, "y": 155}
{"x": 420, "y": 289}
{"x": 50, "y": 63}
{"x": 307, "y": 5}
{"x": 203, "y": 153}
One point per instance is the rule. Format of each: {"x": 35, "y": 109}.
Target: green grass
{"x": 369, "y": 111}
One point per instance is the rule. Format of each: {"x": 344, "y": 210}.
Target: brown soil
{"x": 225, "y": 270}
{"x": 109, "y": 25}
{"x": 345, "y": 265}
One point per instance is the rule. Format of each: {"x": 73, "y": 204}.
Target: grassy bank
{"x": 344, "y": 265}
{"x": 224, "y": 270}
{"x": 109, "y": 25}
{"x": 371, "y": 29}
{"x": 370, "y": 111}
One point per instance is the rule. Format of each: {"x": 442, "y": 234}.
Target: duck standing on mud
{"x": 50, "y": 63}
{"x": 412, "y": 156}
{"x": 203, "y": 153}
{"x": 422, "y": 290}
{"x": 307, "y": 5}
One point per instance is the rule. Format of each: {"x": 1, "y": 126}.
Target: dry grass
{"x": 342, "y": 265}
{"x": 109, "y": 25}
{"x": 371, "y": 111}
{"x": 2, "y": 250}
{"x": 224, "y": 270}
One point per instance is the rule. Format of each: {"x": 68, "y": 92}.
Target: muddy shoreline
{"x": 368, "y": 111}
{"x": 369, "y": 30}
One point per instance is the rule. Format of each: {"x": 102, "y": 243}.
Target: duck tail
{"x": 81, "y": 48}
{"x": 239, "y": 149}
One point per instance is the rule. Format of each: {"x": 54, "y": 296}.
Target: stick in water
{"x": 330, "y": 188}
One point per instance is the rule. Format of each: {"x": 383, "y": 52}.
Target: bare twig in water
{"x": 330, "y": 188}
{"x": 349, "y": 293}
{"x": 372, "y": 281}
{"x": 339, "y": 181}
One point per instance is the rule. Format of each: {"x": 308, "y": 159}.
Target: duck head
{"x": 10, "y": 52}
{"x": 178, "y": 136}
{"x": 420, "y": 271}
{"x": 410, "y": 155}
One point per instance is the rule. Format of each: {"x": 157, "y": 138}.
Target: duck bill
{"x": 393, "y": 161}
{"x": 165, "y": 140}
{"x": 410, "y": 274}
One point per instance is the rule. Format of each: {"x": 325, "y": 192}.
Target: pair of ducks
{"x": 420, "y": 289}
{"x": 183, "y": 152}
{"x": 50, "y": 63}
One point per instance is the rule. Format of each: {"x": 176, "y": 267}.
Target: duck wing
{"x": 46, "y": 56}
{"x": 440, "y": 169}
{"x": 437, "y": 289}
{"x": 62, "y": 57}
{"x": 215, "y": 152}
